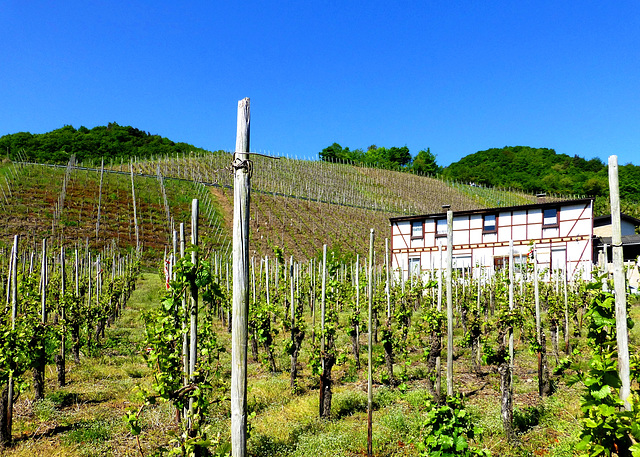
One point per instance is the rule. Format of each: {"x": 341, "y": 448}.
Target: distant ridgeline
{"x": 521, "y": 168}
{"x": 542, "y": 170}
{"x": 113, "y": 142}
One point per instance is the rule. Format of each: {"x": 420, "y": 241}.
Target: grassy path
{"x": 85, "y": 417}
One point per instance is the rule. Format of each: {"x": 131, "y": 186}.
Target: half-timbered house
{"x": 562, "y": 232}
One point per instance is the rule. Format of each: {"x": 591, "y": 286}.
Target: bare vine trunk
{"x": 544, "y": 382}
{"x": 75, "y": 337}
{"x": 387, "y": 343}
{"x": 5, "y": 430}
{"x": 40, "y": 363}
{"x": 355, "y": 344}
{"x": 553, "y": 329}
{"x": 326, "y": 381}
{"x": 296, "y": 339}
{"x": 435, "y": 350}
{"x": 254, "y": 347}
{"x": 506, "y": 393}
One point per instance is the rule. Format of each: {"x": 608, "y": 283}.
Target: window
{"x": 489, "y": 224}
{"x": 462, "y": 264}
{"x": 500, "y": 263}
{"x": 519, "y": 263}
{"x": 416, "y": 229}
{"x": 441, "y": 227}
{"x": 550, "y": 217}
{"x": 414, "y": 266}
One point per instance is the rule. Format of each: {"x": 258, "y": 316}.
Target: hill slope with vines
{"x": 297, "y": 206}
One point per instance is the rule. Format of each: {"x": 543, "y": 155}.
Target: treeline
{"x": 111, "y": 142}
{"x": 393, "y": 158}
{"x": 543, "y": 170}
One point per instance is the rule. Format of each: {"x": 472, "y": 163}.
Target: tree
{"x": 400, "y": 156}
{"x": 425, "y": 163}
{"x": 333, "y": 153}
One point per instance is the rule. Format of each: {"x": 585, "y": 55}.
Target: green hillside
{"x": 297, "y": 205}
{"x": 112, "y": 142}
{"x": 543, "y": 170}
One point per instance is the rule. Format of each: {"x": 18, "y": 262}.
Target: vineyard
{"x": 140, "y": 376}
{"x": 297, "y": 205}
{"x": 116, "y": 333}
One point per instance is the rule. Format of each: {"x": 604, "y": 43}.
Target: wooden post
{"x": 99, "y": 200}
{"x": 293, "y": 325}
{"x": 239, "y": 330}
{"x": 322, "y": 304}
{"x": 14, "y": 315}
{"x": 388, "y": 286}
{"x": 135, "y": 213}
{"x": 185, "y": 315}
{"x": 193, "y": 308}
{"x": 449, "y": 303}
{"x": 511, "y": 298}
{"x": 567, "y": 346}
{"x": 438, "y": 386}
{"x": 619, "y": 284}
{"x": 369, "y": 351}
{"x": 60, "y": 362}
{"x": 322, "y": 339}
{"x": 536, "y": 293}
{"x": 44, "y": 279}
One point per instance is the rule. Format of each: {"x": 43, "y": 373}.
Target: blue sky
{"x": 457, "y": 77}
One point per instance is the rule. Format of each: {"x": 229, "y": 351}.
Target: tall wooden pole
{"x": 369, "y": 350}
{"x": 63, "y": 338}
{"x": 449, "y": 303}
{"x": 43, "y": 281}
{"x": 536, "y": 293}
{"x": 239, "y": 329}
{"x": 193, "y": 308}
{"x": 135, "y": 213}
{"x": 438, "y": 386}
{"x": 619, "y": 284}
{"x": 323, "y": 302}
{"x": 511, "y": 301}
{"x": 388, "y": 286}
{"x": 14, "y": 314}
{"x": 99, "y": 200}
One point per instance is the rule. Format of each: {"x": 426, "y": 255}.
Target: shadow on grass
{"x": 57, "y": 430}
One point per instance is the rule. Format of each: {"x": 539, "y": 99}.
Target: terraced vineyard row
{"x": 371, "y": 188}
{"x": 301, "y": 227}
{"x": 41, "y": 201}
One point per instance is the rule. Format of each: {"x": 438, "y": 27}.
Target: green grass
{"x": 85, "y": 418}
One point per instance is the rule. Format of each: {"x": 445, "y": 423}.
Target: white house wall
{"x": 569, "y": 243}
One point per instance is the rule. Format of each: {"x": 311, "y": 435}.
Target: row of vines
{"x": 310, "y": 318}
{"x": 58, "y": 303}
{"x": 371, "y": 188}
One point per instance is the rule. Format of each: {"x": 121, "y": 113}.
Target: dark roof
{"x": 493, "y": 210}
{"x": 627, "y": 240}
{"x": 606, "y": 220}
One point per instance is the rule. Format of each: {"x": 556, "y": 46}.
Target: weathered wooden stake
{"x": 619, "y": 284}
{"x": 99, "y": 200}
{"x": 60, "y": 358}
{"x": 241, "y": 200}
{"x": 388, "y": 285}
{"x": 193, "y": 308}
{"x": 135, "y": 213}
{"x": 449, "y": 303}
{"x": 511, "y": 298}
{"x": 14, "y": 315}
{"x": 369, "y": 350}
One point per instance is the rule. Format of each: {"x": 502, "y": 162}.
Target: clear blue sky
{"x": 455, "y": 76}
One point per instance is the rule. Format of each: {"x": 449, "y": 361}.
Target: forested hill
{"x": 543, "y": 170}
{"x": 112, "y": 142}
